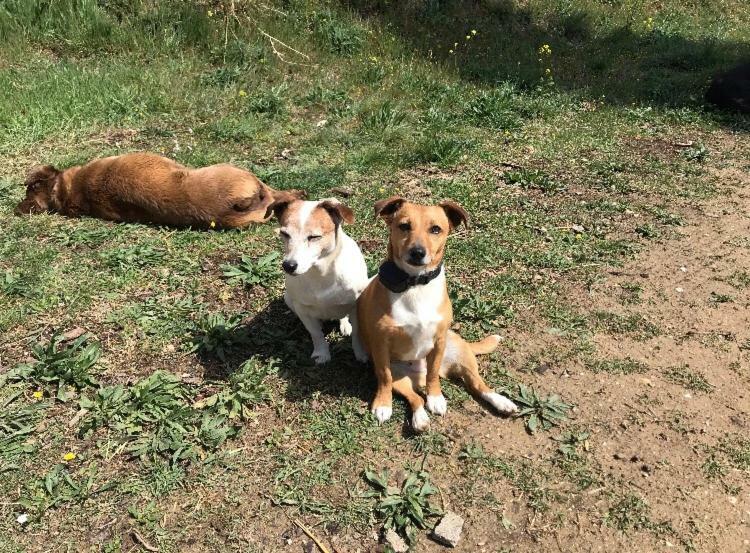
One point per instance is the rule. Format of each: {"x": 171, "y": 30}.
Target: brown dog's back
{"x": 147, "y": 188}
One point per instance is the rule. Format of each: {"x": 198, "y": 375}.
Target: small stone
{"x": 635, "y": 459}
{"x": 646, "y": 468}
{"x": 321, "y": 123}
{"x": 679, "y": 289}
{"x": 683, "y": 269}
{"x": 22, "y": 519}
{"x": 77, "y": 332}
{"x": 396, "y": 542}
{"x": 448, "y": 532}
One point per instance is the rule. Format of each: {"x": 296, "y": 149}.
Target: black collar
{"x": 397, "y": 280}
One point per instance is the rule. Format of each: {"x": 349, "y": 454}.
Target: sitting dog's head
{"x": 309, "y": 230}
{"x": 40, "y": 186}
{"x": 419, "y": 232}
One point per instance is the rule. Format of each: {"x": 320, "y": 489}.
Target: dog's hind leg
{"x": 360, "y": 354}
{"x": 345, "y": 326}
{"x": 404, "y": 386}
{"x": 461, "y": 362}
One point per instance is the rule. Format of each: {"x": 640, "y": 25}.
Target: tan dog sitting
{"x": 147, "y": 188}
{"x": 404, "y": 315}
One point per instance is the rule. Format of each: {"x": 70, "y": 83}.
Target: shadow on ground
{"x": 276, "y": 333}
{"x": 591, "y": 53}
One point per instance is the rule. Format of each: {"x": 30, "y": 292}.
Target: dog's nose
{"x": 289, "y": 266}
{"x": 417, "y": 253}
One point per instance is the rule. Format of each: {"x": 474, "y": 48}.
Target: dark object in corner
{"x": 731, "y": 90}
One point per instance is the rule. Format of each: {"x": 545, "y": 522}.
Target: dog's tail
{"x": 487, "y": 345}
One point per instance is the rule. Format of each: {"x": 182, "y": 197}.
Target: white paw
{"x": 501, "y": 403}
{"x": 321, "y": 355}
{"x": 382, "y": 413}
{"x": 437, "y": 405}
{"x": 345, "y": 327}
{"x": 420, "y": 420}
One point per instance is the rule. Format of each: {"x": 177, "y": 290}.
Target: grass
{"x": 194, "y": 385}
{"x": 688, "y": 379}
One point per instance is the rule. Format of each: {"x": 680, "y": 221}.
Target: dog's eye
{"x": 284, "y": 235}
{"x": 406, "y": 227}
{"x": 434, "y": 229}
{"x": 314, "y": 237}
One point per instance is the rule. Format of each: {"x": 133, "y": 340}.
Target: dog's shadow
{"x": 277, "y": 335}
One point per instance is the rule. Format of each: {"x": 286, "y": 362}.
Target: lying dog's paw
{"x": 437, "y": 405}
{"x": 321, "y": 356}
{"x": 382, "y": 413}
{"x": 501, "y": 403}
{"x": 345, "y": 327}
{"x": 420, "y": 421}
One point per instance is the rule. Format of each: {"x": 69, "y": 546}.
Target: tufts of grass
{"x": 689, "y": 379}
{"x": 59, "y": 367}
{"x": 634, "y": 325}
{"x": 249, "y": 272}
{"x": 335, "y": 34}
{"x": 539, "y": 412}
{"x": 130, "y": 257}
{"x": 17, "y": 425}
{"x": 270, "y": 101}
{"x": 405, "y": 508}
{"x": 627, "y": 365}
{"x": 627, "y": 513}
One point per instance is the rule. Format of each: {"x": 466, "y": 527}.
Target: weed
{"x": 386, "y": 116}
{"x": 533, "y": 179}
{"x": 16, "y": 427}
{"x": 629, "y": 512}
{"x": 569, "y": 442}
{"x": 495, "y": 109}
{"x": 686, "y": 378}
{"x": 13, "y": 284}
{"x": 476, "y": 309}
{"x": 218, "y": 335}
{"x": 697, "y": 152}
{"x": 433, "y": 148}
{"x": 630, "y": 293}
{"x": 59, "y": 366}
{"x": 270, "y": 101}
{"x": 739, "y": 279}
{"x": 339, "y": 37}
{"x": 627, "y": 365}
{"x": 58, "y": 487}
{"x": 130, "y": 257}
{"x": 716, "y": 297}
{"x": 247, "y": 388}
{"x": 647, "y": 231}
{"x": 407, "y": 508}
{"x": 249, "y": 272}
{"x": 539, "y": 412}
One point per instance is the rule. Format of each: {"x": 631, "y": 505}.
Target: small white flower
{"x": 22, "y": 518}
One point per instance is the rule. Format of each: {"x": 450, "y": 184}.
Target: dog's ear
{"x": 386, "y": 208}
{"x": 299, "y": 194}
{"x": 456, "y": 214}
{"x": 281, "y": 201}
{"x": 40, "y": 174}
{"x": 338, "y": 211}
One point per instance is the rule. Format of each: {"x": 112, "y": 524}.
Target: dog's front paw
{"x": 345, "y": 327}
{"x": 437, "y": 405}
{"x": 322, "y": 355}
{"x": 501, "y": 403}
{"x": 419, "y": 420}
{"x": 382, "y": 413}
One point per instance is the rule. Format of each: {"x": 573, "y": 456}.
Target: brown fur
{"x": 147, "y": 188}
{"x": 385, "y": 341}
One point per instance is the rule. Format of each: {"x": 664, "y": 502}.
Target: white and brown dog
{"x": 325, "y": 269}
{"x": 405, "y": 315}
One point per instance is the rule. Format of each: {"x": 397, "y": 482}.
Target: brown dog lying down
{"x": 147, "y": 188}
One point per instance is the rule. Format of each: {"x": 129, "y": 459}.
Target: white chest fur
{"x": 417, "y": 312}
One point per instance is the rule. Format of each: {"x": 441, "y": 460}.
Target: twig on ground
{"x": 310, "y": 535}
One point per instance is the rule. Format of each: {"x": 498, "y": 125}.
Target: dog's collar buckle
{"x": 397, "y": 280}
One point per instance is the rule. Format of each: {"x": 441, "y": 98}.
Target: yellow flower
{"x": 545, "y": 50}
{"x": 242, "y": 93}
{"x": 468, "y": 37}
{"x": 381, "y": 189}
{"x": 38, "y": 394}
{"x": 548, "y": 71}
{"x": 69, "y": 456}
{"x": 213, "y": 224}
{"x": 210, "y": 13}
